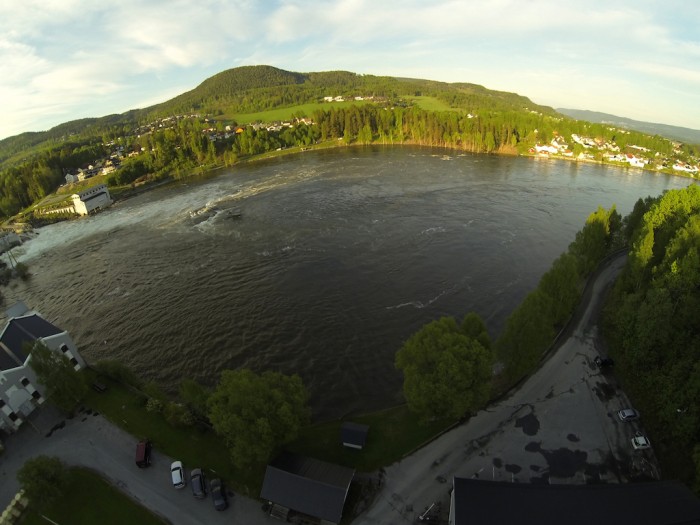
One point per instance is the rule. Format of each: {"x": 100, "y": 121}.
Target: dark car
{"x": 603, "y": 362}
{"x": 218, "y": 494}
{"x": 198, "y": 483}
{"x": 143, "y": 453}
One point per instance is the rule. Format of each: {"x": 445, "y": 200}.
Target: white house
{"x": 91, "y": 199}
{"x": 20, "y": 392}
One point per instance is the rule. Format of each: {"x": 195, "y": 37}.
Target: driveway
{"x": 91, "y": 441}
{"x": 559, "y": 426}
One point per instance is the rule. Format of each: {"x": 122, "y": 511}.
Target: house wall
{"x": 21, "y": 393}
{"x": 90, "y": 200}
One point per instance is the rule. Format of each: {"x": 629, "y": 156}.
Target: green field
{"x": 431, "y": 104}
{"x": 89, "y": 499}
{"x": 280, "y": 114}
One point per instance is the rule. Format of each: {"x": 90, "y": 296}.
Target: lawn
{"x": 192, "y": 445}
{"x": 393, "y": 433}
{"x": 89, "y": 499}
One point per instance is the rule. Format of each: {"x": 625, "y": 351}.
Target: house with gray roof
{"x": 306, "y": 487}
{"x": 478, "y": 502}
{"x": 20, "y": 392}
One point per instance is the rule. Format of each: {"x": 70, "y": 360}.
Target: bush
{"x": 118, "y": 371}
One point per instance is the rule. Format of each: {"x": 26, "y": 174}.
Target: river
{"x": 320, "y": 264}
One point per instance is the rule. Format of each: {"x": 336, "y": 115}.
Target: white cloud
{"x": 67, "y": 57}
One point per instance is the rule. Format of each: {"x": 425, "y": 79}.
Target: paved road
{"x": 92, "y": 441}
{"x": 560, "y": 426}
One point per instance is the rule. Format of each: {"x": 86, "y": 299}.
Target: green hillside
{"x": 200, "y": 129}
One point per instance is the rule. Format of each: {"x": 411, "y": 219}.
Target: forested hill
{"x": 654, "y": 128}
{"x": 251, "y": 89}
{"x": 257, "y": 88}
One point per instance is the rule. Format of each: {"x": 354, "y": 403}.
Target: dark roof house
{"x": 353, "y": 435}
{"x": 19, "y": 331}
{"x": 477, "y": 502}
{"x": 308, "y": 486}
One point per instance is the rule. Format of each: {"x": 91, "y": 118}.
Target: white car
{"x": 178, "y": 474}
{"x": 641, "y": 442}
{"x": 628, "y": 414}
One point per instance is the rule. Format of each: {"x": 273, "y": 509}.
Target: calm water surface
{"x": 320, "y": 264}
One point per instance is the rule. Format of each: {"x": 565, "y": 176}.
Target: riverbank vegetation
{"x": 652, "y": 324}
{"x": 532, "y": 326}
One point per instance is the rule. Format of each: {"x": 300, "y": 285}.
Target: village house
{"x": 20, "y": 392}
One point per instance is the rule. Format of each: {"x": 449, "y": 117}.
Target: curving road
{"x": 559, "y": 426}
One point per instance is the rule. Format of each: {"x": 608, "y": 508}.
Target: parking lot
{"x": 91, "y": 441}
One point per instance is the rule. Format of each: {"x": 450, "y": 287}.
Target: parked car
{"x": 198, "y": 483}
{"x": 628, "y": 414}
{"x": 218, "y": 494}
{"x": 143, "y": 454}
{"x": 603, "y": 362}
{"x": 177, "y": 474}
{"x": 640, "y": 442}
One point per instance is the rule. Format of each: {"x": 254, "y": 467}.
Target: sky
{"x": 61, "y": 60}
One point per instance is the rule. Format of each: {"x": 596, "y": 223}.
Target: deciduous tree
{"x": 65, "y": 387}
{"x": 43, "y": 480}
{"x": 255, "y": 414}
{"x": 447, "y": 370}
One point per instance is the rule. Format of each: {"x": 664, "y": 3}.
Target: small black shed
{"x": 353, "y": 435}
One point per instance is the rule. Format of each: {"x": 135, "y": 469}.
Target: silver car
{"x": 177, "y": 473}
{"x": 198, "y": 484}
{"x": 641, "y": 442}
{"x": 628, "y": 414}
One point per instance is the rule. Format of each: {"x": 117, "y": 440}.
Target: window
{"x": 13, "y": 417}
{"x": 2, "y": 403}
{"x": 64, "y": 348}
{"x": 73, "y": 361}
{"x": 36, "y": 394}
{"x": 24, "y": 381}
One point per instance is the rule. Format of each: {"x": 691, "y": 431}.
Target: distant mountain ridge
{"x": 691, "y": 136}
{"x": 249, "y": 89}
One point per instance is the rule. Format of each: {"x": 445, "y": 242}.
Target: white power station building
{"x": 91, "y": 199}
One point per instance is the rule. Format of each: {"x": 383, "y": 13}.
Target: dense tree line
{"x": 531, "y": 328}
{"x": 447, "y": 366}
{"x": 653, "y": 324}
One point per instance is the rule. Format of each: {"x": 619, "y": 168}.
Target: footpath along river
{"x": 320, "y": 264}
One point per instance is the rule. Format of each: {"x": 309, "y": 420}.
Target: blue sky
{"x": 66, "y": 59}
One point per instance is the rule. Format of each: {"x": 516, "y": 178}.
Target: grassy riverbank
{"x": 394, "y": 433}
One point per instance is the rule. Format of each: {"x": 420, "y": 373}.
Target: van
{"x": 143, "y": 454}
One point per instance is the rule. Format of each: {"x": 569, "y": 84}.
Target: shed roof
{"x": 307, "y": 485}
{"x": 651, "y": 503}
{"x": 354, "y": 433}
{"x": 18, "y": 331}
